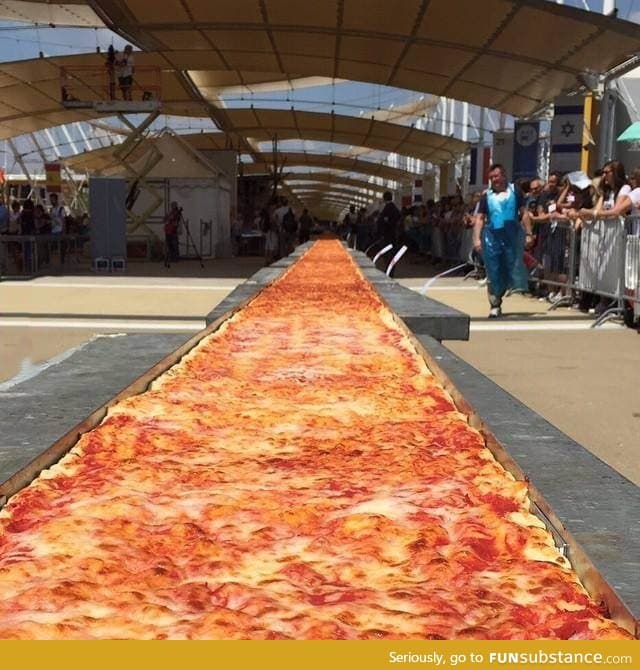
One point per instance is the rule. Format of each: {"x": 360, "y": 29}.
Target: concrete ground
{"x": 583, "y": 381}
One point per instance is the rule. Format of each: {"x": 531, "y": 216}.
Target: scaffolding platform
{"x": 100, "y": 89}
{"x": 115, "y": 106}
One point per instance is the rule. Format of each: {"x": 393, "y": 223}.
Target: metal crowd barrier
{"x": 437, "y": 243}
{"x": 601, "y": 258}
{"x": 632, "y": 263}
{"x": 556, "y": 253}
{"x": 28, "y": 254}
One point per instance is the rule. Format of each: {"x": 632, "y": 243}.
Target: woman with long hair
{"x": 613, "y": 201}
{"x": 614, "y": 193}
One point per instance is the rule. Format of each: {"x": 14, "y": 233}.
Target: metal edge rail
{"x": 25, "y": 475}
{"x": 595, "y": 584}
{"x": 598, "y": 588}
{"x": 64, "y": 444}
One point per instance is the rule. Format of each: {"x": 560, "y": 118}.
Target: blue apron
{"x": 503, "y": 244}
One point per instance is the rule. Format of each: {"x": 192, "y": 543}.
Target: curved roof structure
{"x": 265, "y": 124}
{"x": 201, "y": 50}
{"x": 342, "y": 179}
{"x": 75, "y": 14}
{"x": 290, "y": 160}
{"x": 31, "y": 90}
{"x": 333, "y": 189}
{"x": 491, "y": 58}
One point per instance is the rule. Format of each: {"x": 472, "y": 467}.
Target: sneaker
{"x": 483, "y": 282}
{"x": 495, "y": 312}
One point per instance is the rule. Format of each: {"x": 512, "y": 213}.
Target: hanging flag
{"x": 480, "y": 160}
{"x": 53, "y": 177}
{"x": 566, "y": 134}
{"x": 417, "y": 190}
{"x": 473, "y": 166}
{"x": 502, "y": 150}
{"x": 525, "y": 150}
{"x": 405, "y": 197}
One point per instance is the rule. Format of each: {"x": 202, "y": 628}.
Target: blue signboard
{"x": 525, "y": 150}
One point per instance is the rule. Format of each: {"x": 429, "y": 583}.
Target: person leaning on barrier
{"x": 499, "y": 232}
{"x": 532, "y": 203}
{"x": 634, "y": 196}
{"x": 613, "y": 201}
{"x": 542, "y": 216}
{"x": 613, "y": 198}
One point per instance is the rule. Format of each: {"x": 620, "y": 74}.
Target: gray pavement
{"x": 38, "y": 411}
{"x": 589, "y": 497}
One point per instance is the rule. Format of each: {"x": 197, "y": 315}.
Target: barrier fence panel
{"x": 437, "y": 243}
{"x": 27, "y": 254}
{"x": 632, "y": 263}
{"x": 602, "y": 252}
{"x": 602, "y": 257}
{"x": 554, "y": 259}
{"x": 466, "y": 244}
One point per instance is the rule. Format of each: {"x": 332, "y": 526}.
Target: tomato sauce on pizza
{"x": 300, "y": 474}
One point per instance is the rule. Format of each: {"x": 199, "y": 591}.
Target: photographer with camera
{"x": 171, "y": 228}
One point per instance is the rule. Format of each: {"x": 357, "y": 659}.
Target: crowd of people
{"x": 27, "y": 217}
{"x": 511, "y": 231}
{"x": 281, "y": 227}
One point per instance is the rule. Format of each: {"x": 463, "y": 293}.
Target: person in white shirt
{"x": 614, "y": 194}
{"x": 124, "y": 69}
{"x": 634, "y": 197}
{"x": 613, "y": 201}
{"x": 58, "y": 215}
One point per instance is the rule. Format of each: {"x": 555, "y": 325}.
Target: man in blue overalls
{"x": 500, "y": 236}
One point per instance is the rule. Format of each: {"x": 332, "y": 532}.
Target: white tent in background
{"x": 201, "y": 188}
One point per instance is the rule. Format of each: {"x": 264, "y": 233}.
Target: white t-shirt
{"x": 124, "y": 65}
{"x": 278, "y": 215}
{"x": 611, "y": 200}
{"x": 14, "y": 223}
{"x": 634, "y": 196}
{"x": 58, "y": 214}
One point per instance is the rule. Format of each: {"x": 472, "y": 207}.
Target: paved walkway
{"x": 584, "y": 381}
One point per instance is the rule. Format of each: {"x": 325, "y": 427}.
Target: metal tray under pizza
{"x": 593, "y": 581}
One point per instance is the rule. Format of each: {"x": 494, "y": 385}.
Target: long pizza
{"x": 300, "y": 474}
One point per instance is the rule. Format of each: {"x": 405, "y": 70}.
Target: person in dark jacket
{"x": 388, "y": 221}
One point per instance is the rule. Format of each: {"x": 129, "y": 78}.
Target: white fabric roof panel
{"x": 510, "y": 54}
{"x": 422, "y": 45}
{"x": 72, "y": 14}
{"x": 264, "y": 124}
{"x": 332, "y": 161}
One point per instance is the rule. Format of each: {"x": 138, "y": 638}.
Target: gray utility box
{"x": 107, "y": 209}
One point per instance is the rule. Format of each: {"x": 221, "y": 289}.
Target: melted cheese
{"x": 298, "y": 474}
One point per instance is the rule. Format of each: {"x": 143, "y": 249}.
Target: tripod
{"x": 167, "y": 246}
{"x": 185, "y": 224}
